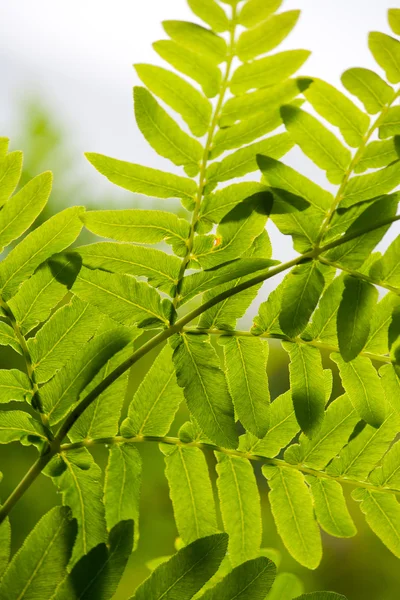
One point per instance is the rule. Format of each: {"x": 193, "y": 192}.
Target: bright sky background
{"x": 77, "y": 55}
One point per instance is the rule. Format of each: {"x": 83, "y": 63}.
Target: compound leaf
{"x": 369, "y": 88}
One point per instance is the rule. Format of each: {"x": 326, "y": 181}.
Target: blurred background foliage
{"x": 361, "y": 567}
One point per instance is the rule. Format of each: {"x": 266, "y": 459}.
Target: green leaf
{"x": 394, "y": 20}
{"x": 142, "y": 180}
{"x": 247, "y": 106}
{"x": 205, "y": 388}
{"x": 198, "y": 39}
{"x": 365, "y": 450}
{"x": 82, "y": 491}
{"x": 293, "y": 513}
{"x": 378, "y": 154}
{"x": 267, "y": 36}
{"x": 199, "y": 68}
{"x": 10, "y": 172}
{"x": 121, "y": 297}
{"x": 190, "y": 492}
{"x": 15, "y": 386}
{"x": 323, "y": 325}
{"x": 387, "y": 474}
{"x": 330, "y": 507}
{"x": 390, "y": 125}
{"x": 338, "y": 110}
{"x": 53, "y": 236}
{"x": 307, "y": 385}
{"x": 362, "y": 384}
{"x": 321, "y": 596}
{"x": 5, "y": 546}
{"x": 256, "y": 11}
{"x": 372, "y": 185}
{"x": 249, "y": 581}
{"x": 339, "y": 422}
{"x": 386, "y": 51}
{"x": 8, "y": 337}
{"x": 193, "y": 107}
{"x": 286, "y": 587}
{"x": 354, "y": 316}
{"x": 61, "y": 338}
{"x": 39, "y": 294}
{"x": 240, "y": 507}
{"x": 142, "y": 226}
{"x": 317, "y": 142}
{"x": 16, "y": 425}
{"x": 161, "y": 269}
{"x": 382, "y": 513}
{"x": 267, "y": 320}
{"x": 21, "y": 210}
{"x": 246, "y": 371}
{"x": 282, "y": 429}
{"x": 244, "y": 161}
{"x": 302, "y": 289}
{"x": 164, "y": 135}
{"x": 387, "y": 268}
{"x": 215, "y": 206}
{"x": 122, "y": 486}
{"x": 210, "y": 13}
{"x": 62, "y": 391}
{"x": 369, "y": 88}
{"x": 97, "y": 574}
{"x": 186, "y": 572}
{"x": 378, "y": 338}
{"x": 40, "y": 565}
{"x": 156, "y": 401}
{"x": 272, "y": 69}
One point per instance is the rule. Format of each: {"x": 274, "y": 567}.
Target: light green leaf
{"x": 390, "y": 125}
{"x": 215, "y": 206}
{"x": 40, "y": 565}
{"x": 240, "y": 507}
{"x": 339, "y": 422}
{"x": 198, "y": 39}
{"x": 53, "y": 236}
{"x": 15, "y": 386}
{"x": 156, "y": 401}
{"x": 330, "y": 507}
{"x": 354, "y": 316}
{"x": 286, "y": 587}
{"x": 4, "y": 143}
{"x": 247, "y": 106}
{"x": 122, "y": 486}
{"x": 387, "y": 268}
{"x": 62, "y": 391}
{"x": 121, "y": 297}
{"x": 8, "y": 337}
{"x": 82, "y": 491}
{"x": 39, "y": 294}
{"x": 244, "y": 161}
{"x": 249, "y": 581}
{"x": 378, "y": 154}
{"x": 336, "y": 108}
{"x": 388, "y": 473}
{"x": 380, "y": 320}
{"x": 210, "y": 13}
{"x": 323, "y": 325}
{"x": 272, "y": 70}
{"x": 16, "y": 425}
{"x": 246, "y": 372}
{"x": 61, "y": 338}
{"x": 98, "y": 573}
{"x": 190, "y": 492}
{"x": 10, "y": 172}
{"x": 186, "y": 572}
{"x": 386, "y": 51}
{"x": 293, "y": 513}
{"x": 307, "y": 385}
{"x": 302, "y": 289}
{"x": 21, "y": 210}
{"x": 164, "y": 135}
{"x": 372, "y": 185}
{"x": 391, "y": 386}
{"x": 362, "y": 384}
{"x": 317, "y": 142}
{"x": 267, "y": 36}
{"x": 199, "y": 68}
{"x": 394, "y": 20}
{"x": 368, "y": 87}
{"x": 382, "y": 513}
{"x": 161, "y": 269}
{"x": 256, "y": 11}
{"x": 267, "y": 320}
{"x": 142, "y": 180}
{"x": 365, "y": 450}
{"x": 205, "y": 388}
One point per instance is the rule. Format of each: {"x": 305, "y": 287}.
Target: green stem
{"x": 172, "y": 441}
